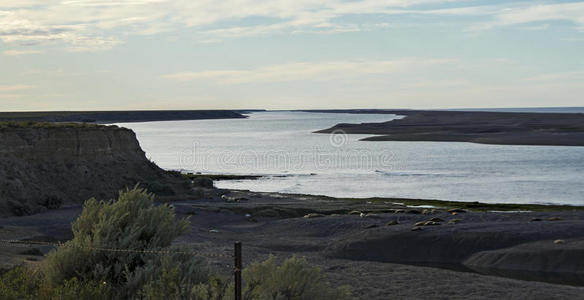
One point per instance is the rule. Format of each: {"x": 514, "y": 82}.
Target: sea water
{"x": 282, "y": 146}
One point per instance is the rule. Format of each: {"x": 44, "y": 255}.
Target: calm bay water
{"x": 282, "y": 143}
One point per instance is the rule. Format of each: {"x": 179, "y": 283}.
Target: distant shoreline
{"x": 407, "y": 201}
{"x": 500, "y": 128}
{"x": 122, "y": 116}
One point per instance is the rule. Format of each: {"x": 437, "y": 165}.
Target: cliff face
{"x": 41, "y": 167}
{"x": 70, "y": 143}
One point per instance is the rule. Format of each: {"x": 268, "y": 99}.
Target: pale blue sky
{"x": 289, "y": 54}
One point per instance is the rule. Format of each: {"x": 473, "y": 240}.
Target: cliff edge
{"x": 44, "y": 165}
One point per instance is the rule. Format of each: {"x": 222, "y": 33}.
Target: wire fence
{"x": 237, "y": 264}
{"x": 22, "y": 243}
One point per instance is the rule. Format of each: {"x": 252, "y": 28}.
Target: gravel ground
{"x": 377, "y": 260}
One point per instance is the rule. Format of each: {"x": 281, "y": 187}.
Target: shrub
{"x": 161, "y": 189}
{"x": 131, "y": 222}
{"x": 19, "y": 283}
{"x": 32, "y": 251}
{"x": 20, "y": 208}
{"x": 22, "y": 283}
{"x": 51, "y": 202}
{"x": 175, "y": 173}
{"x": 76, "y": 289}
{"x": 186, "y": 184}
{"x": 80, "y": 269}
{"x": 215, "y": 289}
{"x": 205, "y": 182}
{"x": 172, "y": 284}
{"x": 293, "y": 279}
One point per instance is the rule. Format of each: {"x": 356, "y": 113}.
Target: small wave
{"x": 422, "y": 206}
{"x": 413, "y": 174}
{"x": 291, "y": 175}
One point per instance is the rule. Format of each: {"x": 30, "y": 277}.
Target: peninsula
{"x": 502, "y": 128}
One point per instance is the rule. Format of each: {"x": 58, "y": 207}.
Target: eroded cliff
{"x": 45, "y": 165}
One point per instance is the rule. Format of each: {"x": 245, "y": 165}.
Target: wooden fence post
{"x": 237, "y": 270}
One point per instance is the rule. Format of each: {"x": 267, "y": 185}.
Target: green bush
{"x": 22, "y": 283}
{"x": 132, "y": 222}
{"x": 293, "y": 279}
{"x": 215, "y": 289}
{"x": 76, "y": 289}
{"x": 172, "y": 285}
{"x": 83, "y": 269}
{"x": 19, "y": 283}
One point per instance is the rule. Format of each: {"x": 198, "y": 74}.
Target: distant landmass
{"x": 564, "y": 110}
{"x": 121, "y": 116}
{"x": 558, "y": 109}
{"x": 504, "y": 128}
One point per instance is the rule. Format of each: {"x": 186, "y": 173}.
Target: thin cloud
{"x": 576, "y": 76}
{"x": 537, "y": 27}
{"x": 88, "y": 25}
{"x": 10, "y": 96}
{"x": 522, "y": 14}
{"x": 17, "y": 87}
{"x": 21, "y": 52}
{"x": 300, "y": 71}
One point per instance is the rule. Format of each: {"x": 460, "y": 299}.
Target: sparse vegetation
{"x": 32, "y": 251}
{"x": 51, "y": 202}
{"x": 83, "y": 268}
{"x": 132, "y": 222}
{"x": 20, "y": 208}
{"x": 25, "y": 208}
{"x": 160, "y": 189}
{"x": 295, "y": 278}
{"x": 204, "y": 182}
{"x": 22, "y": 283}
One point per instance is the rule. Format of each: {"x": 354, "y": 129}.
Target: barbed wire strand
{"x": 39, "y": 243}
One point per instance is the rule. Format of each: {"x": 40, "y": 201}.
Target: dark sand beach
{"x": 501, "y": 128}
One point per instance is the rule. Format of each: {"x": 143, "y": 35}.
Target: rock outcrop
{"x": 46, "y": 165}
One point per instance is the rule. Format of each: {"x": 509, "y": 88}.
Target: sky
{"x": 289, "y": 54}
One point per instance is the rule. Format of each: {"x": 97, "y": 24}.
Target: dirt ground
{"x": 378, "y": 253}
